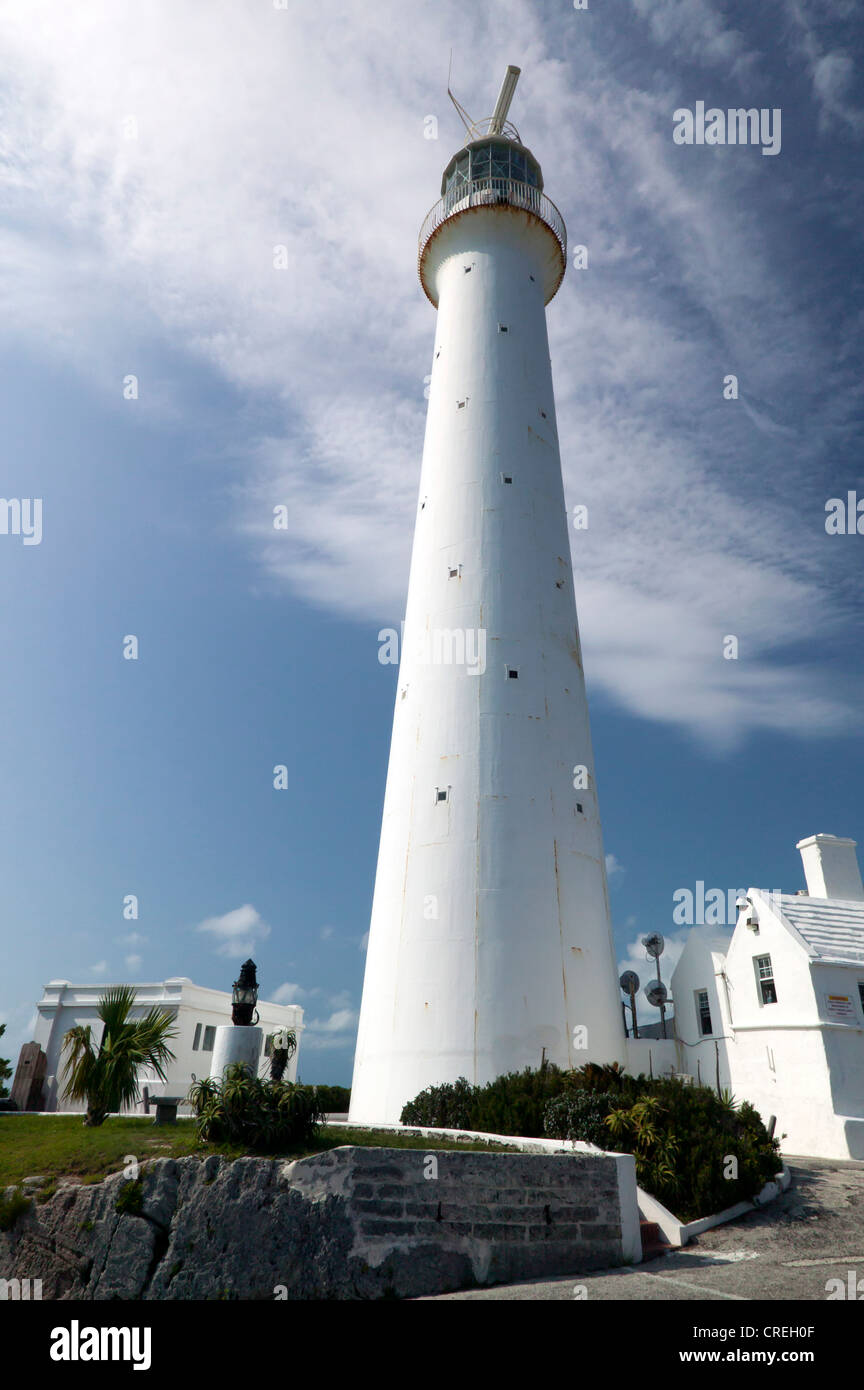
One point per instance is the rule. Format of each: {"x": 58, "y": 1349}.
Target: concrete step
{"x": 653, "y": 1243}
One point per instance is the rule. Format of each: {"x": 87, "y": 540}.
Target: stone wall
{"x": 349, "y": 1223}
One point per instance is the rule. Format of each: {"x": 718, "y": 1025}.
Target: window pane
{"x": 480, "y": 163}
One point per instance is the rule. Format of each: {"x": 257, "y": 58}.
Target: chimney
{"x": 831, "y": 867}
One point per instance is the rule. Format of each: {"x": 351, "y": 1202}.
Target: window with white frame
{"x": 197, "y": 1038}
{"x": 765, "y": 979}
{"x": 209, "y": 1039}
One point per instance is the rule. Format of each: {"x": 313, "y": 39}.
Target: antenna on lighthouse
{"x": 463, "y": 114}
{"x": 505, "y": 96}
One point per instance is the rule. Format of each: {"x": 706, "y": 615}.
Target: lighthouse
{"x": 490, "y": 944}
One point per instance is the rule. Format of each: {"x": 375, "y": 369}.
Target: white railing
{"x": 487, "y": 192}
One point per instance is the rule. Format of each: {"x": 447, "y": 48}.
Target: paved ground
{"x": 812, "y": 1233}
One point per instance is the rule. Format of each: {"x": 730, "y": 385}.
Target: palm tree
{"x": 107, "y": 1078}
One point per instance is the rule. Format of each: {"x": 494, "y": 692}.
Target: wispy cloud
{"x": 235, "y": 932}
{"x": 168, "y": 234}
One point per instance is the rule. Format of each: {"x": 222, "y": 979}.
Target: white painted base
{"x": 236, "y": 1044}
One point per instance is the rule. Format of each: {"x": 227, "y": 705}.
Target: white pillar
{"x": 235, "y": 1043}
{"x": 490, "y": 937}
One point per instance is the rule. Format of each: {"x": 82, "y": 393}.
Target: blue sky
{"x": 151, "y": 159}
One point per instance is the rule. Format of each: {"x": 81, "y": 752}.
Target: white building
{"x": 776, "y": 1006}
{"x": 196, "y": 1011}
{"x": 490, "y": 938}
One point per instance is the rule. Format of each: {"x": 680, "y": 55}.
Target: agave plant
{"x": 262, "y": 1115}
{"x": 284, "y": 1044}
{"x": 106, "y": 1078}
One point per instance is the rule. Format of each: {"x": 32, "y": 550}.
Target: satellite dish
{"x": 654, "y": 945}
{"x": 629, "y": 982}
{"x": 655, "y": 993}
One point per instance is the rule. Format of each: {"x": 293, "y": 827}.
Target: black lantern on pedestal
{"x": 245, "y": 996}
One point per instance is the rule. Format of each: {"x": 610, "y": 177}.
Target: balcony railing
{"x": 489, "y": 192}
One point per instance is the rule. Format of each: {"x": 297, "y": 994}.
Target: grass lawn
{"x": 56, "y": 1146}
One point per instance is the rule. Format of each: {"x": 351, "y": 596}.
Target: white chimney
{"x": 831, "y": 867}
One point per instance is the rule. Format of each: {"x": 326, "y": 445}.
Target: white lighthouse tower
{"x": 490, "y": 942}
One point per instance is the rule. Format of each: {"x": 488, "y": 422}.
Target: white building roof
{"x": 832, "y": 929}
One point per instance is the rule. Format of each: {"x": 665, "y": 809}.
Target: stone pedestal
{"x": 29, "y": 1078}
{"x": 236, "y": 1044}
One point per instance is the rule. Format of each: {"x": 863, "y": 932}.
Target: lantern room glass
{"x": 498, "y": 161}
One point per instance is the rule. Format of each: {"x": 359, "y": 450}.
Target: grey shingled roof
{"x": 833, "y": 928}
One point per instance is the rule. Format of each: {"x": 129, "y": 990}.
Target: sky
{"x": 210, "y": 309}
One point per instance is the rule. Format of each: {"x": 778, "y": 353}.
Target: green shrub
{"x": 443, "y": 1107}
{"x": 130, "y": 1199}
{"x": 334, "y": 1100}
{"x": 511, "y": 1104}
{"x": 515, "y": 1103}
{"x": 262, "y": 1116}
{"x": 11, "y": 1207}
{"x": 683, "y": 1138}
{"x": 580, "y": 1114}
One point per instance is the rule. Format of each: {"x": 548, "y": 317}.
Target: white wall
{"x": 64, "y": 1006}
{"x": 789, "y": 1059}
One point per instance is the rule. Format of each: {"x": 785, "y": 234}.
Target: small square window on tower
{"x": 454, "y": 572}
{"x": 442, "y": 794}
{"x": 512, "y": 673}
{"x": 460, "y": 405}
{"x": 543, "y": 414}
{"x": 503, "y": 328}
{"x": 506, "y": 477}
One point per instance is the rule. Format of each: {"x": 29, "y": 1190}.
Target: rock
{"x": 350, "y": 1223}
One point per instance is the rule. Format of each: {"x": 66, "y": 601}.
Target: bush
{"x": 515, "y": 1103}
{"x": 262, "y": 1116}
{"x": 580, "y": 1115}
{"x": 334, "y": 1100}
{"x": 11, "y": 1207}
{"x": 443, "y": 1107}
{"x": 130, "y": 1198}
{"x": 683, "y": 1138}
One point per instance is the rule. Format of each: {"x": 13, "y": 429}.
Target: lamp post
{"x": 244, "y": 996}
{"x": 239, "y": 1042}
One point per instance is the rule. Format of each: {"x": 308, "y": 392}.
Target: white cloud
{"x": 133, "y": 938}
{"x": 133, "y": 963}
{"x": 100, "y": 968}
{"x": 170, "y": 236}
{"x": 235, "y": 932}
{"x": 612, "y": 866}
{"x": 337, "y": 1031}
{"x": 289, "y": 994}
{"x": 326, "y": 933}
{"x": 695, "y": 29}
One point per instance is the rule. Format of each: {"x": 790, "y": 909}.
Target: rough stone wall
{"x": 350, "y": 1223}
